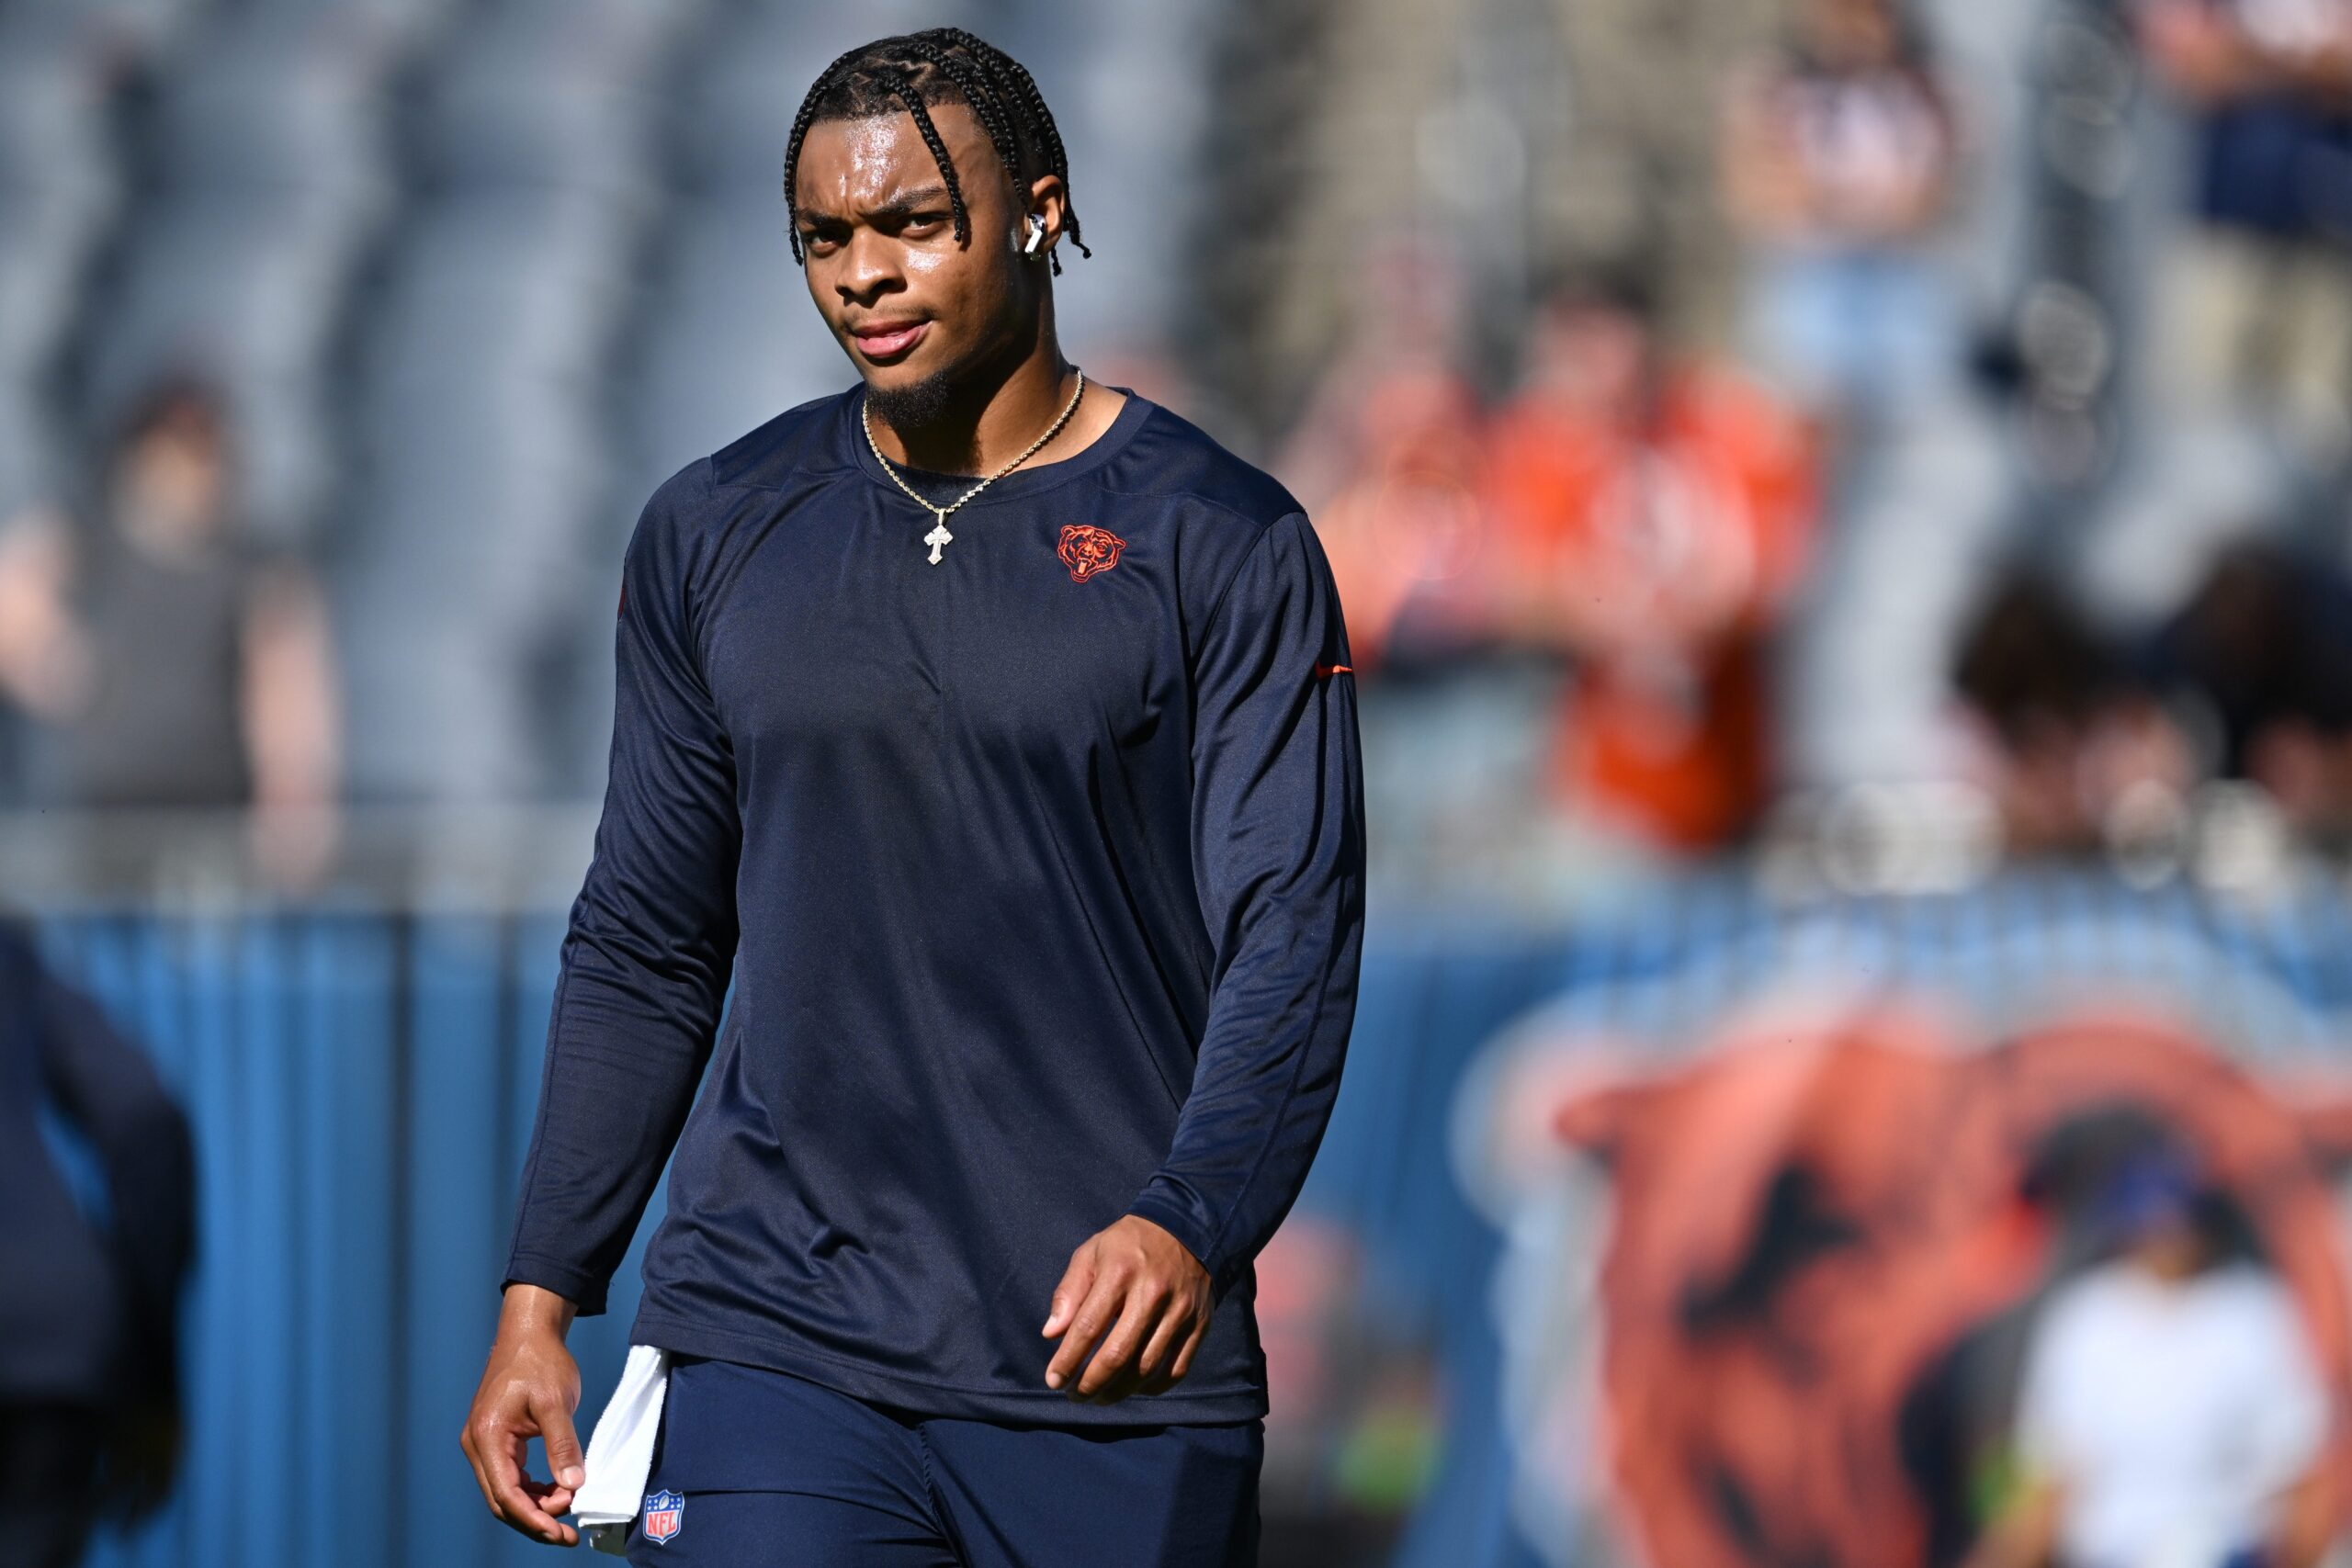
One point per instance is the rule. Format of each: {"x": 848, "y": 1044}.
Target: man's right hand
{"x": 529, "y": 1389}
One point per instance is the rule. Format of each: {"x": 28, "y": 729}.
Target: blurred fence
{"x": 362, "y": 1084}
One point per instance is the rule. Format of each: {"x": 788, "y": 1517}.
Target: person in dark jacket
{"x": 89, "y": 1370}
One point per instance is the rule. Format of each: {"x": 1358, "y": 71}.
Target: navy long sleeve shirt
{"x": 1038, "y": 873}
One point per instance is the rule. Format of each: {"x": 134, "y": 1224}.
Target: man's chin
{"x": 912, "y": 404}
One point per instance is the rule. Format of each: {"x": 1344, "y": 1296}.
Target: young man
{"x": 994, "y": 731}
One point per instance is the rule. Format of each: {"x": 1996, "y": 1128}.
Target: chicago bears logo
{"x": 1086, "y": 549}
{"x": 665, "y": 1515}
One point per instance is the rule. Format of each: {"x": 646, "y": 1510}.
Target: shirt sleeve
{"x": 110, "y": 1090}
{"x": 651, "y": 943}
{"x": 1278, "y": 857}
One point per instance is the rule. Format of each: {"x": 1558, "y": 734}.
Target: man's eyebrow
{"x": 900, "y": 206}
{"x": 908, "y": 201}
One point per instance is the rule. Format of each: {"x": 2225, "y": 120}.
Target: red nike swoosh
{"x": 1322, "y": 670}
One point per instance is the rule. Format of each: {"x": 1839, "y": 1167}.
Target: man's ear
{"x": 1048, "y": 201}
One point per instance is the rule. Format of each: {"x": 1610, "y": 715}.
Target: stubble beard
{"x": 945, "y": 398}
{"x": 917, "y": 405}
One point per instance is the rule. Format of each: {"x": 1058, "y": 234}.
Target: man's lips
{"x": 888, "y": 340}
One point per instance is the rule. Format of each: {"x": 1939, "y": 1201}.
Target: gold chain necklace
{"x": 939, "y": 535}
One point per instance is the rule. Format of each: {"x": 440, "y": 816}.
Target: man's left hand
{"x": 1144, "y": 1297}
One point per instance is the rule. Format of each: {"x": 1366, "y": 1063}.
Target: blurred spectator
{"x": 2259, "y": 306}
{"x": 1651, "y": 519}
{"x": 1404, "y": 530}
{"x": 179, "y": 667}
{"x": 1838, "y": 160}
{"x": 89, "y": 1366}
{"x": 2173, "y": 1412}
{"x": 40, "y": 656}
{"x": 1385, "y": 461}
{"x": 2066, "y": 733}
{"x": 2262, "y": 654}
{"x": 1355, "y": 1417}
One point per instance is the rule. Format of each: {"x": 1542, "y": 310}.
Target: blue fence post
{"x": 456, "y": 1071}
{"x": 351, "y": 1285}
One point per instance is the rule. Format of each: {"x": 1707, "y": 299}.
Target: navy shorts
{"x": 776, "y": 1470}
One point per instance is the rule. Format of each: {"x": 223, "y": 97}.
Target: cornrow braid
{"x": 902, "y": 84}
{"x": 940, "y": 65}
{"x": 800, "y": 124}
{"x": 1013, "y": 79}
{"x": 972, "y": 81}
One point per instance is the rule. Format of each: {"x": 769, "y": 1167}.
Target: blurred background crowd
{"x": 1829, "y": 496}
{"x": 1909, "y": 432}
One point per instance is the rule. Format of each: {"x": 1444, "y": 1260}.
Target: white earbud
{"x": 1036, "y": 235}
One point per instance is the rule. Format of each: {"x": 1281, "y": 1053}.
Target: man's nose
{"x": 869, "y": 268}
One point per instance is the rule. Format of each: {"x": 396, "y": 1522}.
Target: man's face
{"x": 177, "y": 475}
{"x": 1598, "y": 353}
{"x": 915, "y": 308}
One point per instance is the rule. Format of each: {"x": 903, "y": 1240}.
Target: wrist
{"x": 532, "y": 1311}
{"x": 1158, "y": 1210}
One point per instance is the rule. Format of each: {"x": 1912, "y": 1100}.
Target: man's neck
{"x": 989, "y": 420}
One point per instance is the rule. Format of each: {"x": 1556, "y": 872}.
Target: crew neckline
{"x": 1021, "y": 482}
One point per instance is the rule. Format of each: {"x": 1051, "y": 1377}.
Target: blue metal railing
{"x": 362, "y": 1086}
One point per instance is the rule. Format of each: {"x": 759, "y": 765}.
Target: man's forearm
{"x": 627, "y": 1036}
{"x": 1260, "y": 1100}
{"x": 529, "y": 1310}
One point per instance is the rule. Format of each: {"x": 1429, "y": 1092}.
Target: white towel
{"x": 620, "y": 1452}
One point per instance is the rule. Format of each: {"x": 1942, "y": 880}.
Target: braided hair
{"x": 940, "y": 65}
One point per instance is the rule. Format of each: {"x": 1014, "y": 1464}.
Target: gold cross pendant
{"x": 937, "y": 536}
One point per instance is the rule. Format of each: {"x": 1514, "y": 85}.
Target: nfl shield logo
{"x": 665, "y": 1515}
